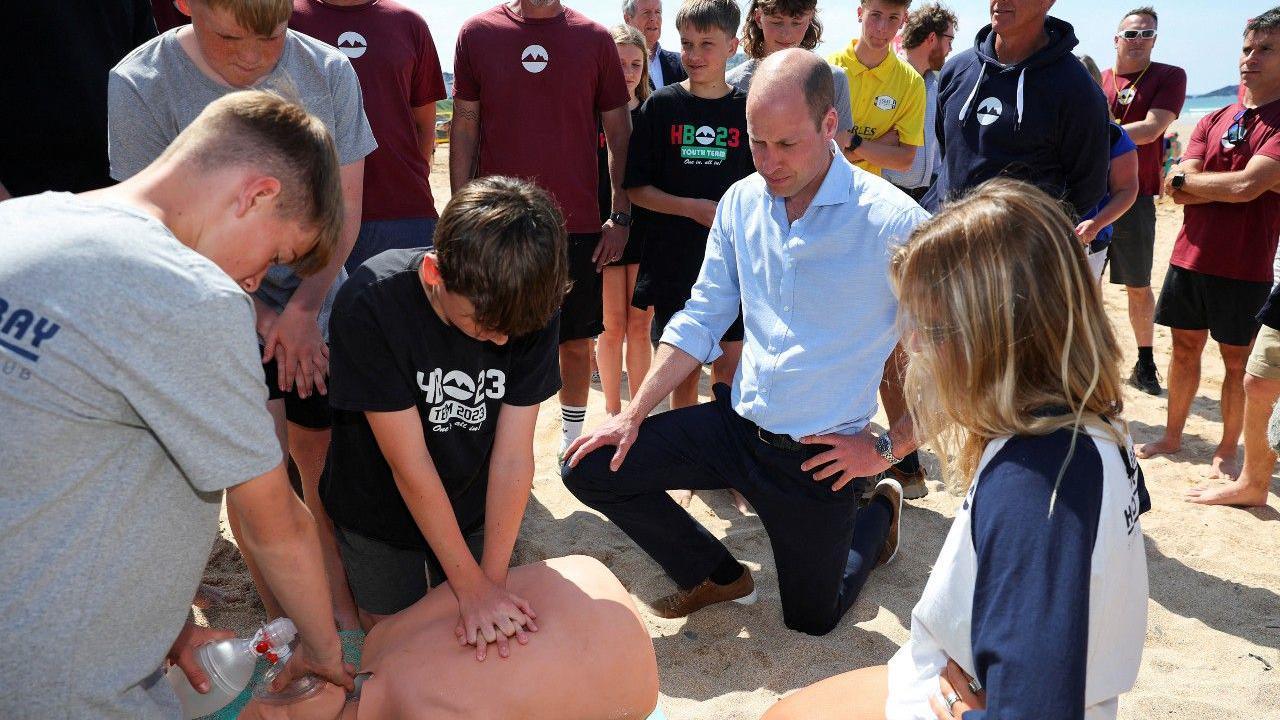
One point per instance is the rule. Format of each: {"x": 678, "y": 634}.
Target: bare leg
{"x": 1184, "y": 380}
{"x": 1259, "y": 460}
{"x": 1142, "y": 310}
{"x": 639, "y": 350}
{"x": 609, "y": 344}
{"x": 575, "y": 372}
{"x": 1232, "y": 404}
{"x": 308, "y": 448}
{"x": 856, "y": 695}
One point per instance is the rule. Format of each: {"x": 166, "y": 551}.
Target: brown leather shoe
{"x": 892, "y": 492}
{"x": 913, "y": 487}
{"x": 685, "y": 602}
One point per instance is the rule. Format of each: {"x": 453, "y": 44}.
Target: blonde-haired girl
{"x": 1037, "y": 604}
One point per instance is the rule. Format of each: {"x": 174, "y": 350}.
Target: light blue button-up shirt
{"x": 818, "y": 308}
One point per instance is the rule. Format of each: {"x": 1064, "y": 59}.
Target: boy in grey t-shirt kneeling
{"x": 129, "y": 406}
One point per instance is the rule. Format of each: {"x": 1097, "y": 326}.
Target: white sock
{"x": 571, "y": 419}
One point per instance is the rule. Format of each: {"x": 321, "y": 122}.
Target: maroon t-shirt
{"x": 167, "y": 15}
{"x": 395, "y": 58}
{"x": 1162, "y": 87}
{"x": 541, "y": 83}
{"x": 1232, "y": 240}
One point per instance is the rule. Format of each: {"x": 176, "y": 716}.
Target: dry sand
{"x": 1213, "y": 637}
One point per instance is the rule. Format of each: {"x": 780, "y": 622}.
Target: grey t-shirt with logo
{"x": 131, "y": 394}
{"x": 157, "y": 90}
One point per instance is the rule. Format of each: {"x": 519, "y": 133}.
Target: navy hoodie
{"x": 1043, "y": 120}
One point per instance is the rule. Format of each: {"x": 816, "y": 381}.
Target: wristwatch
{"x": 1178, "y": 181}
{"x": 884, "y": 448}
{"x": 621, "y": 219}
{"x": 855, "y": 142}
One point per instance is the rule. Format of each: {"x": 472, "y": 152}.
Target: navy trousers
{"x": 824, "y": 546}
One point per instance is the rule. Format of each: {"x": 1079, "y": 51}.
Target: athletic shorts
{"x": 309, "y": 412}
{"x": 1264, "y": 359}
{"x": 662, "y": 314}
{"x": 582, "y": 314}
{"x": 1132, "y": 244}
{"x": 378, "y": 236}
{"x": 1226, "y": 308}
{"x": 386, "y": 579}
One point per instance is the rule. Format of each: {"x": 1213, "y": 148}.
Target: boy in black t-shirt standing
{"x": 688, "y": 145}
{"x": 439, "y": 360}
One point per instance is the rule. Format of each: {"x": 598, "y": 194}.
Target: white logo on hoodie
{"x": 989, "y": 110}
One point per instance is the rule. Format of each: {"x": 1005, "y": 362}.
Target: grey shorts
{"x": 386, "y": 579}
{"x": 1133, "y": 244}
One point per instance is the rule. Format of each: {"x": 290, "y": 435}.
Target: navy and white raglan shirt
{"x": 390, "y": 351}
{"x": 1042, "y": 596}
{"x": 1043, "y": 120}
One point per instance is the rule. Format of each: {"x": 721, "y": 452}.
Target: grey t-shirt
{"x": 157, "y": 90}
{"x": 131, "y": 394}
{"x": 740, "y": 77}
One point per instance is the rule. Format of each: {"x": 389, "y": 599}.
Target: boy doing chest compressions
{"x": 440, "y": 359}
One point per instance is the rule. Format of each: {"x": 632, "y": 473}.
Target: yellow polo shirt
{"x": 887, "y": 97}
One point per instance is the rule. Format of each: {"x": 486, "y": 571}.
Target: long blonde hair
{"x": 624, "y": 34}
{"x": 1003, "y": 320}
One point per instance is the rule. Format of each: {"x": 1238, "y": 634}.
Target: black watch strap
{"x": 621, "y": 219}
{"x": 855, "y": 142}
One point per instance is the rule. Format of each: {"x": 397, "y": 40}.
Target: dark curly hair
{"x": 753, "y": 36}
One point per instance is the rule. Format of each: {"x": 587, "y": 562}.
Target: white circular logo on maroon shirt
{"x": 352, "y": 44}
{"x": 534, "y": 58}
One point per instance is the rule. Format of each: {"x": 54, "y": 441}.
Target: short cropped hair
{"x": 820, "y": 92}
{"x": 261, "y": 130}
{"x": 753, "y": 36}
{"x": 704, "y": 14}
{"x": 501, "y": 243}
{"x": 260, "y": 16}
{"x": 1145, "y": 10}
{"x": 1267, "y": 22}
{"x": 898, "y": 3}
{"x": 926, "y": 20}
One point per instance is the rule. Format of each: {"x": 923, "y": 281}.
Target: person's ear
{"x": 256, "y": 194}
{"x": 184, "y": 6}
{"x": 733, "y": 45}
{"x": 430, "y": 271}
{"x": 756, "y": 16}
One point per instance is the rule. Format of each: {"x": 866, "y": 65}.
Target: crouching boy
{"x": 439, "y": 360}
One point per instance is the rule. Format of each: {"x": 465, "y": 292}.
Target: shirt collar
{"x": 881, "y": 71}
{"x": 834, "y": 189}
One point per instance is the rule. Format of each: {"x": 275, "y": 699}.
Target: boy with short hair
{"x": 886, "y": 94}
{"x": 439, "y": 360}
{"x": 689, "y": 144}
{"x": 155, "y": 92}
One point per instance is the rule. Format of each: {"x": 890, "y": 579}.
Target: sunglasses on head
{"x": 1238, "y": 129}
{"x": 1135, "y": 34}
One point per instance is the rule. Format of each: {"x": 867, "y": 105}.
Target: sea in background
{"x": 1197, "y": 107}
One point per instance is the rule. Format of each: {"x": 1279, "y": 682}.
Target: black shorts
{"x": 662, "y": 314}
{"x": 310, "y": 412}
{"x": 1133, "y": 243}
{"x": 1226, "y": 308}
{"x": 582, "y": 314}
{"x": 386, "y": 579}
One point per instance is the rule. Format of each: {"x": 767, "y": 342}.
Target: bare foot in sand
{"x": 1224, "y": 467}
{"x": 1238, "y": 493}
{"x": 684, "y": 497}
{"x": 1163, "y": 446}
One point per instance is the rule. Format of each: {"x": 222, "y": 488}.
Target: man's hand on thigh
{"x": 850, "y": 456}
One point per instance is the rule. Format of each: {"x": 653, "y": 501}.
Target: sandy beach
{"x": 1213, "y": 636}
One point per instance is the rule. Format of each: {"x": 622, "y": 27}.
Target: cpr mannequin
{"x": 591, "y": 659}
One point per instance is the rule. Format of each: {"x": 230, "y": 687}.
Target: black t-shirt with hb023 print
{"x": 390, "y": 351}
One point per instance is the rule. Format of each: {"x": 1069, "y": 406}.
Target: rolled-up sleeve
{"x": 713, "y": 305}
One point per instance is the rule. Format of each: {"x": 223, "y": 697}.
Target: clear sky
{"x": 1202, "y": 36}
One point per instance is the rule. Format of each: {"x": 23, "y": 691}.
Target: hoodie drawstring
{"x": 964, "y": 110}
{"x": 1022, "y": 76}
